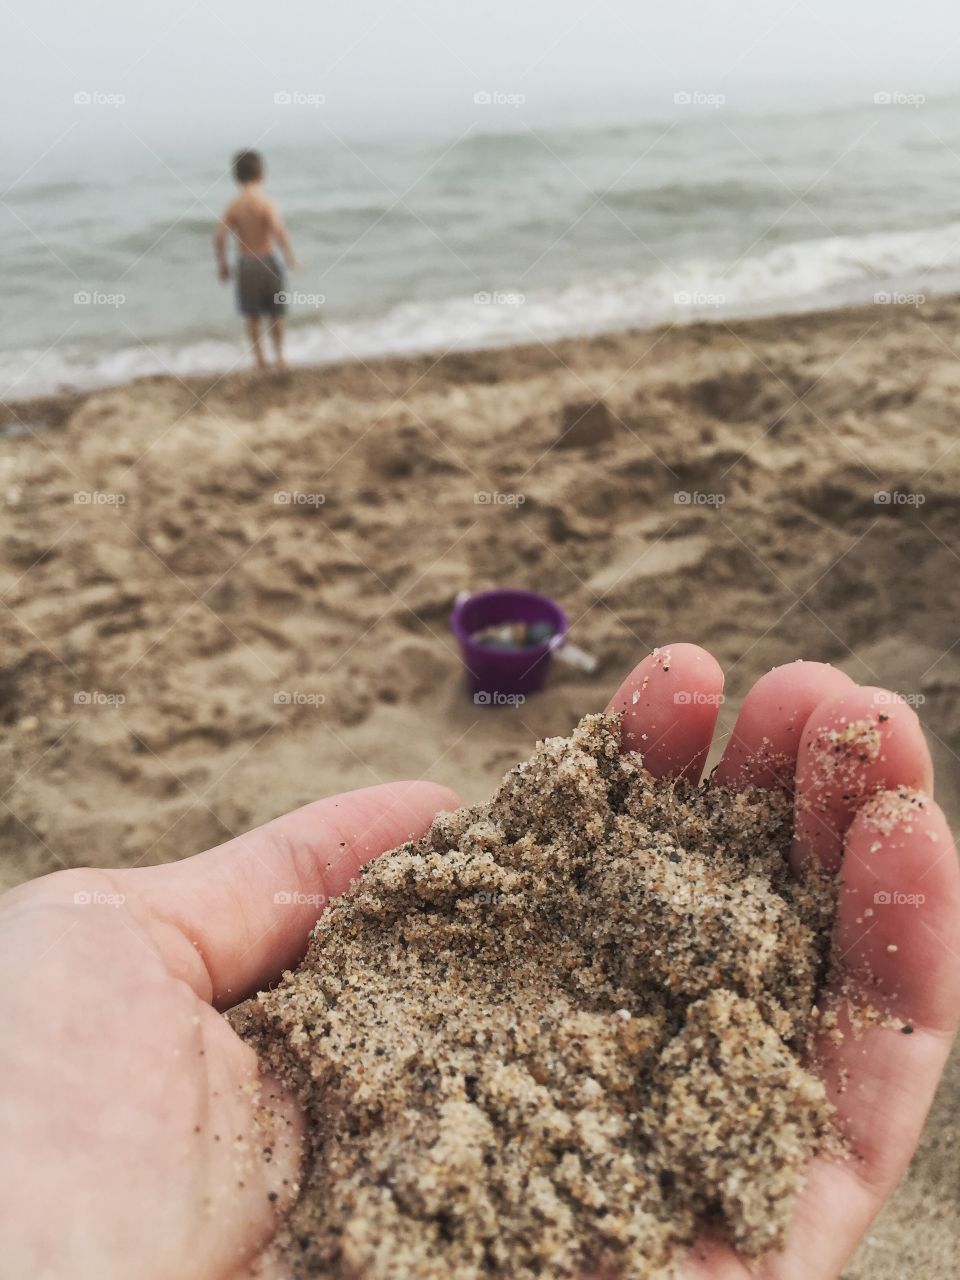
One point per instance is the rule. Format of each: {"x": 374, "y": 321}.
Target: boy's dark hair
{"x": 248, "y": 166}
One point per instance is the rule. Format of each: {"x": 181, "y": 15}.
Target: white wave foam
{"x": 792, "y": 277}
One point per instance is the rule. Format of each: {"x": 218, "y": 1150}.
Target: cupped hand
{"x": 138, "y": 1138}
{"x": 861, "y": 774}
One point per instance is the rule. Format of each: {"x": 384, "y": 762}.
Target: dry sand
{"x": 268, "y": 651}
{"x": 564, "y": 1034}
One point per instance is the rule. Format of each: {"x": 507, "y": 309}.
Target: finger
{"x": 900, "y": 955}
{"x": 903, "y": 961}
{"x": 897, "y": 943}
{"x": 853, "y": 745}
{"x": 670, "y": 703}
{"x": 231, "y": 920}
{"x": 898, "y": 915}
{"x": 765, "y": 742}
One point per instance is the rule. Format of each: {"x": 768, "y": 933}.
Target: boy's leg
{"x": 276, "y": 336}
{"x": 253, "y": 332}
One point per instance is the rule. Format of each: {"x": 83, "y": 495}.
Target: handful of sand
{"x": 564, "y": 1033}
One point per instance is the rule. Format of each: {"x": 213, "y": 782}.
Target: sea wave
{"x": 789, "y": 277}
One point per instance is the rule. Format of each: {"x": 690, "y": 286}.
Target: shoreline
{"x": 54, "y": 407}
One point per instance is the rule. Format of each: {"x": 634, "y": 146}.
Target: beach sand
{"x": 527, "y": 1047}
{"x": 223, "y": 598}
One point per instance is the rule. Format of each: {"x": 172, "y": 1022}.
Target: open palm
{"x": 138, "y": 1139}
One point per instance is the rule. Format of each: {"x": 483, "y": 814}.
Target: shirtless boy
{"x": 255, "y": 221}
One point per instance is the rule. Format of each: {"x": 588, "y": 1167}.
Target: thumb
{"x": 230, "y": 921}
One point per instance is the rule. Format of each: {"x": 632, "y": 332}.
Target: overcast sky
{"x": 206, "y": 72}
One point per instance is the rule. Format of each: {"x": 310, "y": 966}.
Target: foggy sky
{"x": 206, "y": 72}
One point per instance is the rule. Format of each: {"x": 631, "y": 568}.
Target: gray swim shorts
{"x": 260, "y": 286}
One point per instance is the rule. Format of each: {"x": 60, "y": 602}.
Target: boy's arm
{"x": 220, "y": 246}
{"x": 283, "y": 240}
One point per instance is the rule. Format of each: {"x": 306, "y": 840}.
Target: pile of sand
{"x": 565, "y": 1032}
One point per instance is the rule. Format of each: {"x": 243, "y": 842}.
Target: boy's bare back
{"x": 255, "y": 221}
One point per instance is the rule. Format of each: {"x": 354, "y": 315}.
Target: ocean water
{"x": 503, "y": 235}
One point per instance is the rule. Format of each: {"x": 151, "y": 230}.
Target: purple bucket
{"x": 499, "y": 676}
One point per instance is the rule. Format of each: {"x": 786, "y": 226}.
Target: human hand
{"x": 134, "y": 1132}
{"x": 135, "y": 1145}
{"x": 849, "y": 811}
{"x": 223, "y": 272}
